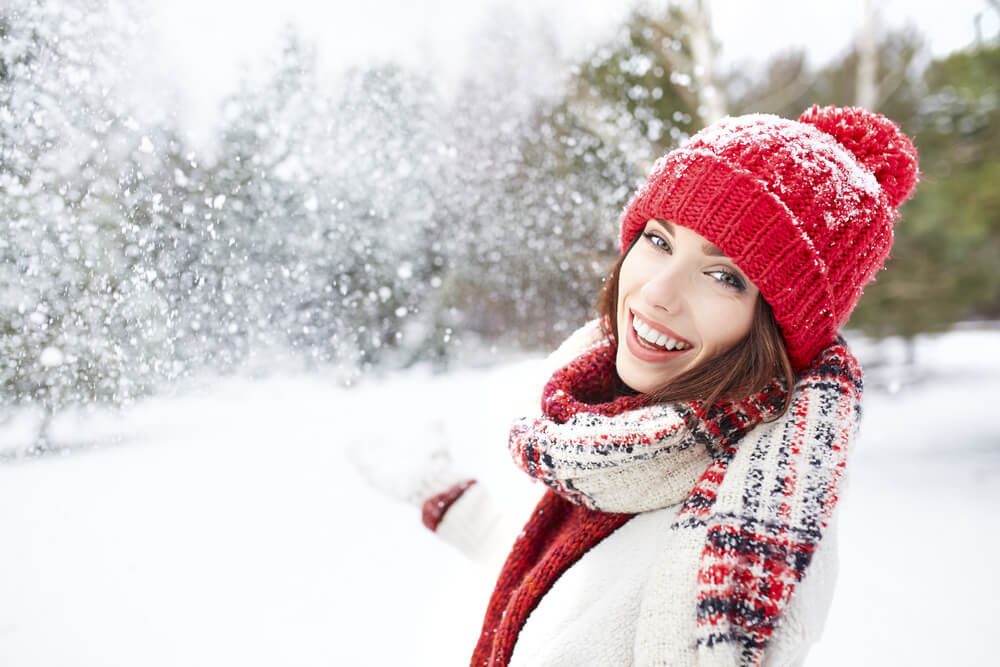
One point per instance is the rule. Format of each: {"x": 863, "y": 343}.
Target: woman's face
{"x": 681, "y": 302}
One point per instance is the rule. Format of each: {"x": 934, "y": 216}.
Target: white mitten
{"x": 410, "y": 469}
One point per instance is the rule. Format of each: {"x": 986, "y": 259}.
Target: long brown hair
{"x": 745, "y": 369}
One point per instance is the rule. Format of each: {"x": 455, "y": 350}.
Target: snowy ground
{"x": 229, "y": 528}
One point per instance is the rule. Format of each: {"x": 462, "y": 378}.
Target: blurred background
{"x": 213, "y": 213}
{"x": 188, "y": 190}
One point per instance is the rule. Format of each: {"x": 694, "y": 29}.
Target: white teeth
{"x": 648, "y": 333}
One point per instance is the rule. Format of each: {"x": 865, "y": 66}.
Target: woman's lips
{"x": 644, "y": 353}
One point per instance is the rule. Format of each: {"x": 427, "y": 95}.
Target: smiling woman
{"x": 695, "y": 443}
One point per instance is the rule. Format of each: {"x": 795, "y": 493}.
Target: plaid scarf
{"x": 756, "y": 493}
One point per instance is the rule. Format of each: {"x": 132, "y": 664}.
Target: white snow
{"x": 224, "y": 525}
{"x": 804, "y": 149}
{"x": 51, "y": 356}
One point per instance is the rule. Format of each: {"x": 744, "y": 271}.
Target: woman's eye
{"x": 728, "y": 279}
{"x": 657, "y": 240}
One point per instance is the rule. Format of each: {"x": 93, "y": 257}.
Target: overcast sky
{"x": 202, "y": 42}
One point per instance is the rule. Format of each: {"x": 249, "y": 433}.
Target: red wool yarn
{"x": 805, "y": 208}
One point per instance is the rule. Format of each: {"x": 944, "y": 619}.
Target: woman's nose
{"x": 665, "y": 289}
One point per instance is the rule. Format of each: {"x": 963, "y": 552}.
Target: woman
{"x": 690, "y": 497}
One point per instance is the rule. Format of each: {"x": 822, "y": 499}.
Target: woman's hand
{"x": 410, "y": 469}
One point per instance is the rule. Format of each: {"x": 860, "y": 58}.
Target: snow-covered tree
{"x": 539, "y": 191}
{"x": 78, "y": 309}
{"x": 386, "y": 169}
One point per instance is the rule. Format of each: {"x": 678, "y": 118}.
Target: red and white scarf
{"x": 756, "y": 493}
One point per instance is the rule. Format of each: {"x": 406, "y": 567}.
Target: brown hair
{"x": 746, "y": 368}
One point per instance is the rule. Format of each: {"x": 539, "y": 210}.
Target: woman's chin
{"x": 637, "y": 376}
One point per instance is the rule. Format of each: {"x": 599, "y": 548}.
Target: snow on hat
{"x": 804, "y": 208}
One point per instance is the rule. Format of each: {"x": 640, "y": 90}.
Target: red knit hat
{"x": 804, "y": 208}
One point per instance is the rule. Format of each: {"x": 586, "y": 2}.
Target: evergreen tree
{"x": 77, "y": 312}
{"x": 647, "y": 90}
{"x": 387, "y": 178}
{"x": 947, "y": 247}
{"x": 540, "y": 238}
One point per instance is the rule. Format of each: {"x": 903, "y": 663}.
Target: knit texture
{"x": 805, "y": 208}
{"x": 624, "y": 455}
{"x": 755, "y": 513}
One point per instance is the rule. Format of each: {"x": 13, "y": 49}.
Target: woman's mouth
{"x": 649, "y": 343}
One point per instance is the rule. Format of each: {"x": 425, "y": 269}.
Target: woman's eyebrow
{"x": 707, "y": 248}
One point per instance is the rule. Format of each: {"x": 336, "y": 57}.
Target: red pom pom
{"x": 877, "y": 142}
